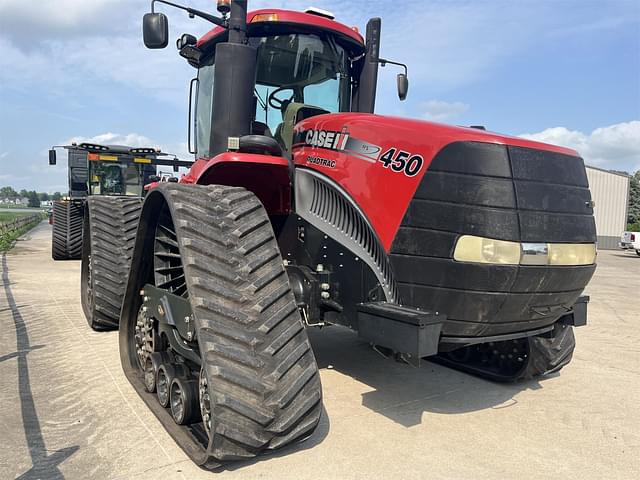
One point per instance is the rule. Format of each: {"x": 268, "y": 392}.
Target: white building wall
{"x": 610, "y": 191}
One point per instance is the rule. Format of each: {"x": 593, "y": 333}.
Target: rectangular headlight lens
{"x": 470, "y": 248}
{"x": 486, "y": 250}
{"x": 572, "y": 253}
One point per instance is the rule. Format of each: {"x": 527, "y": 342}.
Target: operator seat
{"x": 295, "y": 112}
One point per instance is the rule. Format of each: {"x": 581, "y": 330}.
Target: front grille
{"x": 500, "y": 192}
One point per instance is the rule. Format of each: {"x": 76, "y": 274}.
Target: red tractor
{"x": 304, "y": 208}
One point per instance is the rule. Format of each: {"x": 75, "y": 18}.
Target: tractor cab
{"x": 114, "y": 170}
{"x": 307, "y": 64}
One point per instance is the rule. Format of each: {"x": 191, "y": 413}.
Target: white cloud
{"x": 32, "y": 21}
{"x": 438, "y": 110}
{"x": 614, "y": 147}
{"x": 109, "y": 138}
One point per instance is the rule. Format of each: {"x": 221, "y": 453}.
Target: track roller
{"x": 183, "y": 397}
{"x": 151, "y": 365}
{"x": 166, "y": 373}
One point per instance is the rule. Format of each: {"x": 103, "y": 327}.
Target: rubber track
{"x": 66, "y": 241}
{"x": 263, "y": 378}
{"x": 112, "y": 224}
{"x": 547, "y": 355}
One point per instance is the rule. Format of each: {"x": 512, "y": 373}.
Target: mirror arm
{"x": 193, "y": 13}
{"x": 383, "y": 62}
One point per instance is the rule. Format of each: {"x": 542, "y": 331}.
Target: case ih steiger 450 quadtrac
{"x": 304, "y": 209}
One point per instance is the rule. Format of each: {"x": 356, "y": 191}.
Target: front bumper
{"x": 576, "y": 317}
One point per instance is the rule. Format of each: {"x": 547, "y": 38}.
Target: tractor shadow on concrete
{"x": 45, "y": 463}
{"x": 402, "y": 392}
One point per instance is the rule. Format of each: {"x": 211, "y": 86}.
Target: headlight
{"x": 486, "y": 250}
{"x": 470, "y": 248}
{"x": 572, "y": 253}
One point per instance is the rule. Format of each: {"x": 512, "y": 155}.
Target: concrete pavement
{"x": 68, "y": 411}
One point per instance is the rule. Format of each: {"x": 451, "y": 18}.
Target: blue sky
{"x": 561, "y": 71}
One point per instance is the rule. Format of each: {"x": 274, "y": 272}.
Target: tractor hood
{"x": 374, "y": 156}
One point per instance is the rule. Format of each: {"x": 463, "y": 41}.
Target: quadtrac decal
{"x": 394, "y": 159}
{"x": 322, "y": 162}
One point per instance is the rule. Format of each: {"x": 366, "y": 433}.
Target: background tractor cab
{"x": 105, "y": 170}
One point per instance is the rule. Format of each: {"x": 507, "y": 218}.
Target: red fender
{"x": 266, "y": 176}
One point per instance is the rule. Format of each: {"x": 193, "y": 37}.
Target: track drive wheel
{"x": 66, "y": 241}
{"x": 110, "y": 227}
{"x": 258, "y": 387}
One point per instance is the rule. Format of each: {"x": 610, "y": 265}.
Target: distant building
{"x": 46, "y": 203}
{"x": 15, "y": 201}
{"x": 610, "y": 192}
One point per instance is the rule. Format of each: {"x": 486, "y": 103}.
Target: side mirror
{"x": 52, "y": 157}
{"x": 155, "y": 30}
{"x": 403, "y": 86}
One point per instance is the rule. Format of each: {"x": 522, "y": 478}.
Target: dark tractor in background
{"x": 118, "y": 175}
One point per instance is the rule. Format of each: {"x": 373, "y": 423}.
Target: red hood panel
{"x": 379, "y": 160}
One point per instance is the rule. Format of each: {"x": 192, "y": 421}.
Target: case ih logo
{"x": 339, "y": 141}
{"x": 326, "y": 139}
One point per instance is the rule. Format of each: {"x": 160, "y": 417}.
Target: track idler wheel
{"x": 183, "y": 398}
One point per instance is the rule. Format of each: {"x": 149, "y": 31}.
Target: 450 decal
{"x": 401, "y": 161}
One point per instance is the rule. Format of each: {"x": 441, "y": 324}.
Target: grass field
{"x": 8, "y": 216}
{"x": 8, "y": 237}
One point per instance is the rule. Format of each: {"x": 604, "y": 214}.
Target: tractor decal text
{"x": 328, "y": 139}
{"x": 400, "y": 161}
{"x": 323, "y": 162}
{"x": 394, "y": 159}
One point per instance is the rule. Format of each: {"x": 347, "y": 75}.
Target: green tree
{"x": 43, "y": 196}
{"x": 634, "y": 202}
{"x": 8, "y": 192}
{"x": 56, "y": 196}
{"x": 34, "y": 201}
{"x": 23, "y": 193}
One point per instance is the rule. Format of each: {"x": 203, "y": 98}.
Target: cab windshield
{"x": 304, "y": 68}
{"x": 113, "y": 178}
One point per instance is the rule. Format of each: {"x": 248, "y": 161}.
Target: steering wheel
{"x": 280, "y": 104}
